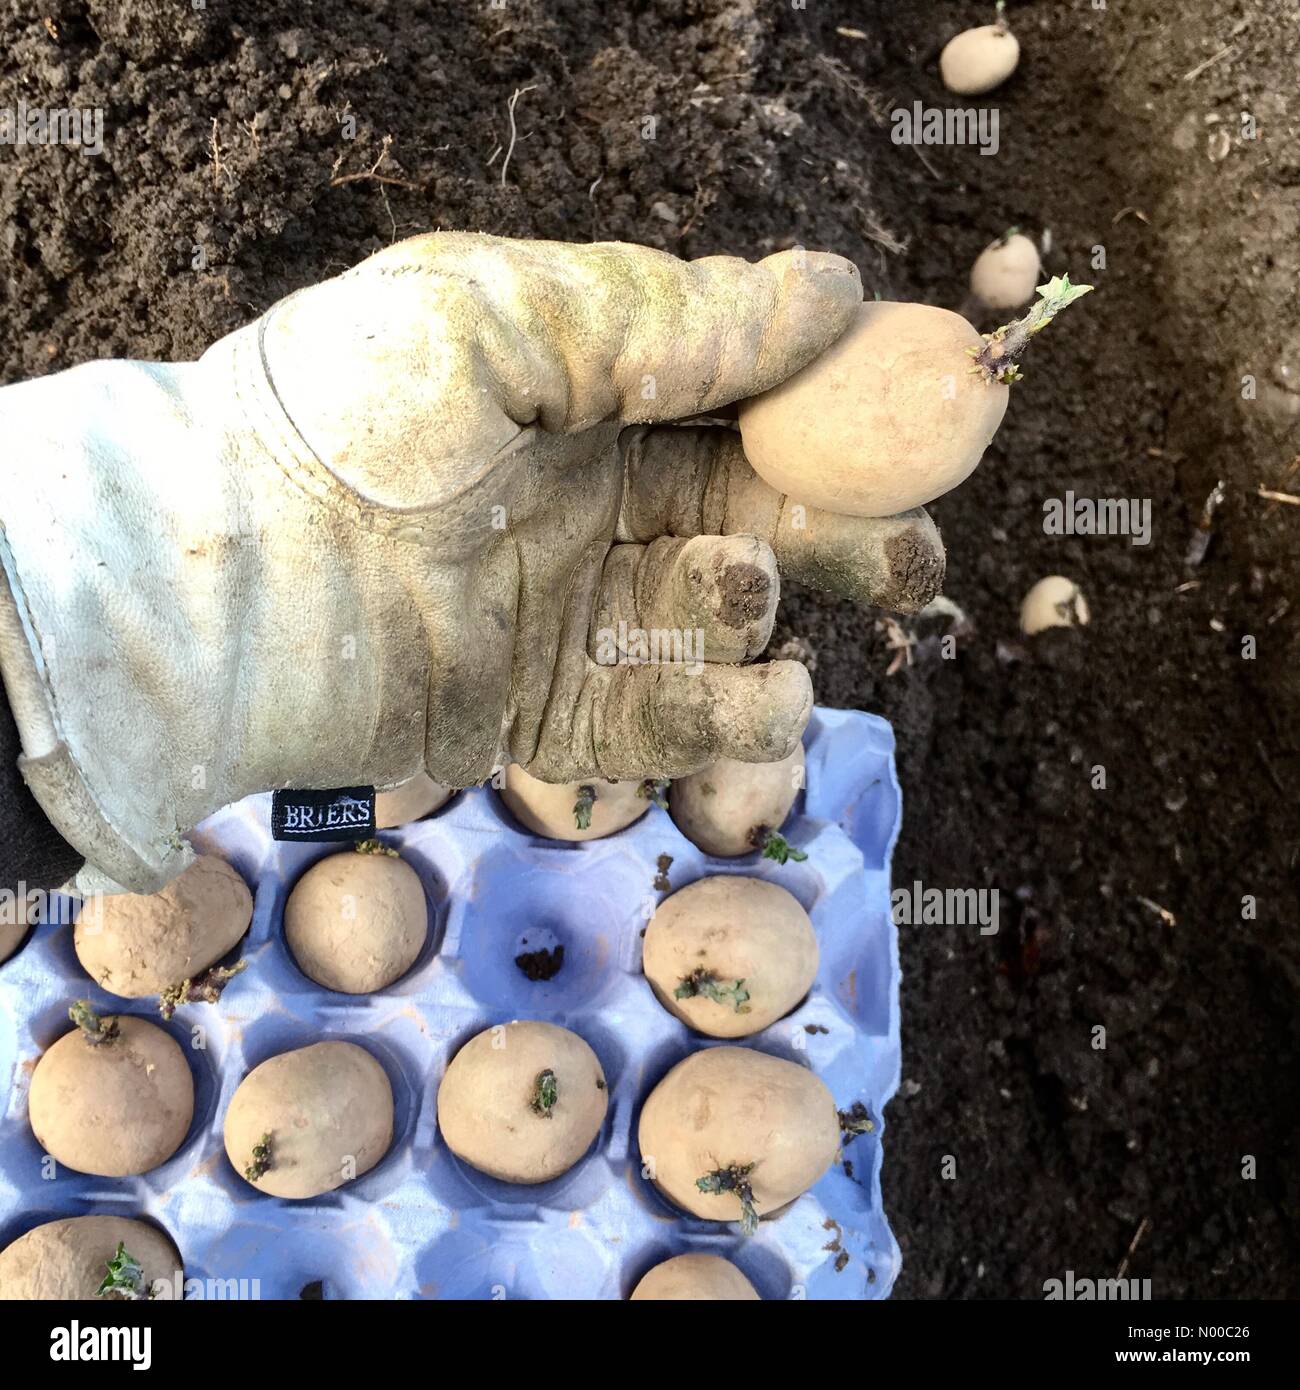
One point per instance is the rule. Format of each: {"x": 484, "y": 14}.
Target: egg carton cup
{"x": 422, "y": 1224}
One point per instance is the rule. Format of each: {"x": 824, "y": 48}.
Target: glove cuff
{"x": 50, "y": 770}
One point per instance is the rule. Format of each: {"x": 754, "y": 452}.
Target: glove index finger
{"x": 579, "y": 335}
{"x": 721, "y": 329}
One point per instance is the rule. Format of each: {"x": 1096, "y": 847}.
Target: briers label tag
{"x": 344, "y": 813}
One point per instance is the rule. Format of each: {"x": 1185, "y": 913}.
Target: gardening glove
{"x": 412, "y": 519}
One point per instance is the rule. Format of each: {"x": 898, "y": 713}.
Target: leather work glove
{"x": 406, "y": 521}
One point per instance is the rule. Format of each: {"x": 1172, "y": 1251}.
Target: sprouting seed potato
{"x": 978, "y": 60}
{"x": 889, "y": 417}
{"x": 138, "y": 944}
{"x": 586, "y": 810}
{"x": 732, "y": 808}
{"x": 730, "y": 955}
{"x": 114, "y": 1097}
{"x": 356, "y": 921}
{"x": 898, "y": 411}
{"x": 1054, "y": 601}
{"x": 523, "y": 1101}
{"x": 731, "y": 1134}
{"x": 1005, "y": 274}
{"x": 71, "y": 1259}
{"x": 414, "y": 799}
{"x": 307, "y": 1121}
{"x": 694, "y": 1279}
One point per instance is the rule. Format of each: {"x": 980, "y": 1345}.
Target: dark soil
{"x": 228, "y": 179}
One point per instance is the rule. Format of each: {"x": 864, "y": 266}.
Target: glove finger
{"x": 666, "y": 721}
{"x": 709, "y": 598}
{"x": 685, "y": 480}
{"x": 569, "y": 336}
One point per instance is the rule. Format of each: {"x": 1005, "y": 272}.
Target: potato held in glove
{"x": 308, "y": 1121}
{"x": 898, "y": 411}
{"x": 356, "y": 921}
{"x": 522, "y": 1102}
{"x": 731, "y": 808}
{"x": 731, "y": 1134}
{"x": 114, "y": 1097}
{"x": 137, "y": 944}
{"x": 694, "y": 1278}
{"x": 886, "y": 419}
{"x": 730, "y": 955}
{"x": 78, "y": 1257}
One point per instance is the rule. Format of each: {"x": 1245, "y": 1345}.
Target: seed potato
{"x": 137, "y": 944}
{"x": 69, "y": 1259}
{"x": 1006, "y": 273}
{"x": 977, "y": 60}
{"x": 328, "y": 1112}
{"x": 414, "y": 799}
{"x": 694, "y": 1278}
{"x": 723, "y": 808}
{"x": 548, "y": 808}
{"x": 888, "y": 418}
{"x": 497, "y": 1112}
{"x": 355, "y": 922}
{"x": 727, "y": 1116}
{"x": 1053, "y": 602}
{"x": 114, "y": 1107}
{"x": 729, "y": 955}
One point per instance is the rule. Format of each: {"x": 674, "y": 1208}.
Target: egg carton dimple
{"x": 421, "y": 1224}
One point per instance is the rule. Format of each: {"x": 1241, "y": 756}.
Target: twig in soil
{"x": 373, "y": 172}
{"x": 870, "y": 98}
{"x": 934, "y": 173}
{"x": 1268, "y": 766}
{"x": 1269, "y": 495}
{"x": 882, "y": 236}
{"x": 514, "y": 130}
{"x": 898, "y": 641}
{"x": 1124, "y": 212}
{"x": 1208, "y": 63}
{"x": 1163, "y": 913}
{"x": 215, "y": 147}
{"x": 1133, "y": 1245}
{"x": 1201, "y": 537}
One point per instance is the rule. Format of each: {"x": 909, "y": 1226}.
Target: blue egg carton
{"x": 422, "y": 1224}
